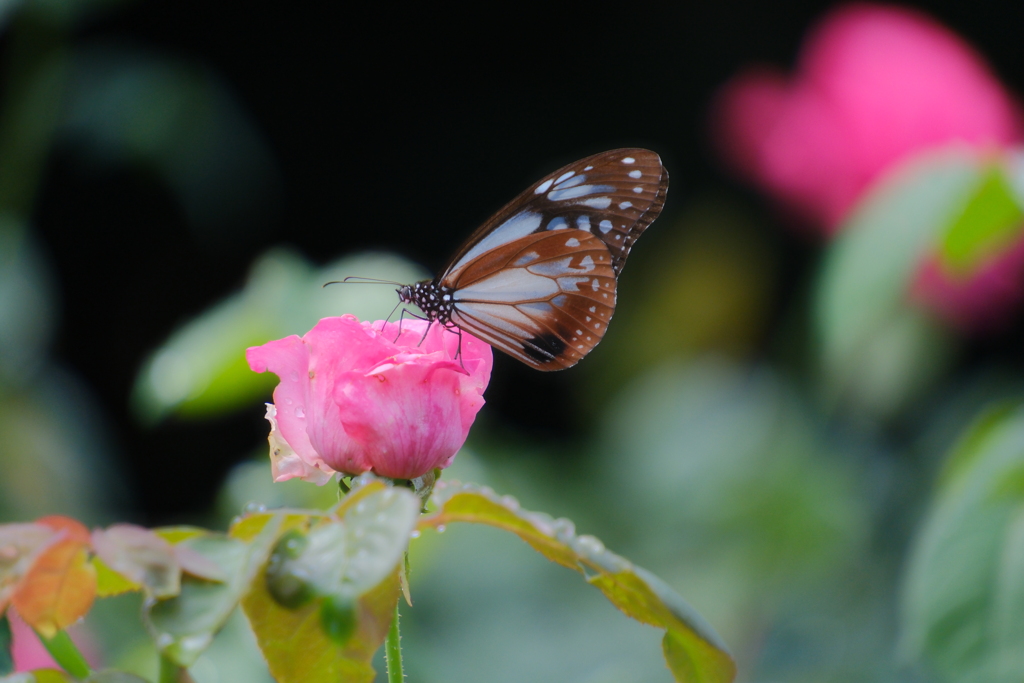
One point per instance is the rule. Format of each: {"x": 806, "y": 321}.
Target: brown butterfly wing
{"x": 613, "y": 195}
{"x": 545, "y": 298}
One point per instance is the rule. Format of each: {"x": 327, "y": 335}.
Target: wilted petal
{"x": 285, "y": 463}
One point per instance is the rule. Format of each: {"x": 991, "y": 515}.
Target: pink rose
{"x": 354, "y": 397}
{"x": 874, "y": 84}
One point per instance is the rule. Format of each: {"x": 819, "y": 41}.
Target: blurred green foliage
{"x": 202, "y": 370}
{"x": 775, "y": 495}
{"x": 964, "y": 598}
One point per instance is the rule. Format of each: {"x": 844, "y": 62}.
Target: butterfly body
{"x": 538, "y": 279}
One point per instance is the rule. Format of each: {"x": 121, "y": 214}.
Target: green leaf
{"x": 6, "y": 642}
{"x": 351, "y": 561}
{"x": 114, "y": 677}
{"x": 963, "y": 598}
{"x": 989, "y": 223}
{"x": 201, "y": 369}
{"x": 109, "y": 583}
{"x": 38, "y": 676}
{"x": 693, "y": 651}
{"x": 139, "y": 556}
{"x": 876, "y": 349}
{"x": 183, "y": 626}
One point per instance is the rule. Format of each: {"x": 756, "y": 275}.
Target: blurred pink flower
{"x": 28, "y": 651}
{"x": 352, "y": 399}
{"x": 874, "y": 84}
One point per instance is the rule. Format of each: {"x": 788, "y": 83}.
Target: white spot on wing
{"x": 636, "y": 173}
{"x": 588, "y": 168}
{"x": 543, "y": 187}
{"x": 628, "y": 160}
{"x": 562, "y": 267}
{"x": 638, "y": 189}
{"x": 567, "y": 174}
{"x": 568, "y": 284}
{"x": 571, "y": 182}
{"x": 508, "y": 285}
{"x": 557, "y": 224}
{"x": 521, "y": 261}
{"x": 583, "y": 223}
{"x": 571, "y": 192}
{"x": 507, "y": 319}
{"x": 595, "y": 284}
{"x": 572, "y": 242}
{"x": 606, "y": 226}
{"x": 536, "y": 308}
{"x": 598, "y": 202}
{"x": 520, "y": 225}
{"x": 625, "y": 205}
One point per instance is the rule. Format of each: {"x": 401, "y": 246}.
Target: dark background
{"x": 397, "y": 128}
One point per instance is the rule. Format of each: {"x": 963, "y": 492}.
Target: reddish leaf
{"x": 72, "y": 528}
{"x": 60, "y": 586}
{"x": 19, "y": 546}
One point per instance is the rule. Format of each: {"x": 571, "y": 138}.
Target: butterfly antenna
{"x": 359, "y": 280}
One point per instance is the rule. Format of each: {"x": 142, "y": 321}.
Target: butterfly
{"x": 538, "y": 279}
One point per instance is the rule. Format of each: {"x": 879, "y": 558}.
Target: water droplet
{"x": 288, "y": 401}
{"x": 441, "y": 528}
{"x": 195, "y": 643}
{"x": 415, "y": 533}
{"x": 294, "y": 376}
{"x": 510, "y": 502}
{"x": 589, "y": 545}
{"x": 563, "y": 527}
{"x": 300, "y": 413}
{"x": 253, "y": 507}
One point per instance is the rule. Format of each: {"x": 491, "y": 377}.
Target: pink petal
{"x": 406, "y": 420}
{"x": 288, "y": 358}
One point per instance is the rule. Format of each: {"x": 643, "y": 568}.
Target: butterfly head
{"x": 433, "y": 299}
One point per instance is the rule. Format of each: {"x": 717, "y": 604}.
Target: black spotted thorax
{"x": 433, "y": 299}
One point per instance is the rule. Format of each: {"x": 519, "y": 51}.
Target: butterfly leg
{"x": 424, "y": 337}
{"x": 401, "y": 319}
{"x": 458, "y": 353}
